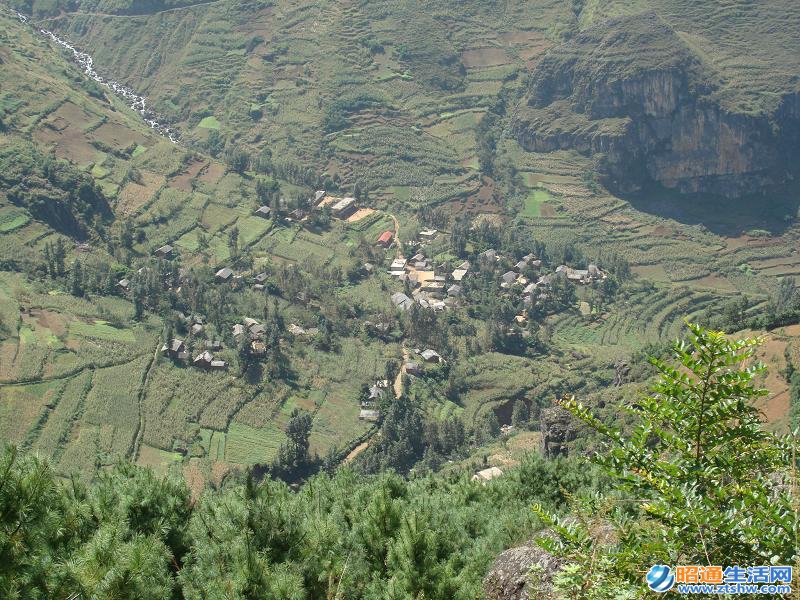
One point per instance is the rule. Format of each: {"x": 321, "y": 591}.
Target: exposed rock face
{"x": 621, "y": 372}
{"x": 632, "y": 92}
{"x": 558, "y": 428}
{"x": 522, "y": 573}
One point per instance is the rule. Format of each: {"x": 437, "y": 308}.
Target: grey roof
{"x": 369, "y": 414}
{"x": 174, "y": 346}
{"x": 224, "y": 273}
{"x": 430, "y": 354}
{"x": 257, "y": 329}
{"x": 509, "y": 277}
{"x": 204, "y": 357}
{"x": 263, "y": 210}
{"x": 454, "y": 290}
{"x": 165, "y": 249}
{"x": 400, "y": 300}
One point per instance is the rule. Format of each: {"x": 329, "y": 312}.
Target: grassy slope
{"x": 414, "y": 142}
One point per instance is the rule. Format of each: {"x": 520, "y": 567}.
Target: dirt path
{"x": 398, "y": 381}
{"x": 398, "y": 245}
{"x": 398, "y": 391}
{"x": 357, "y": 450}
{"x": 137, "y": 440}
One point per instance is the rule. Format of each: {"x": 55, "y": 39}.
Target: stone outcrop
{"x": 522, "y": 573}
{"x": 558, "y": 428}
{"x": 633, "y": 94}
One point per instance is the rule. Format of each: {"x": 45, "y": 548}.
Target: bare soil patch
{"x": 55, "y": 322}
{"x": 360, "y": 214}
{"x": 212, "y": 173}
{"x": 484, "y": 57}
{"x": 133, "y": 196}
{"x": 69, "y": 143}
{"x": 118, "y": 136}
{"x": 183, "y": 181}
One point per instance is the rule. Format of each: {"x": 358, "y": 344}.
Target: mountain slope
{"x": 711, "y": 105}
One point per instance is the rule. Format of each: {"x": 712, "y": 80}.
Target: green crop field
{"x": 533, "y": 203}
{"x": 424, "y": 115}
{"x": 246, "y": 445}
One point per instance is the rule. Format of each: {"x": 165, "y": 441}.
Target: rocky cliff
{"x": 633, "y": 93}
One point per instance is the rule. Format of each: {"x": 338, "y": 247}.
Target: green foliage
{"x": 134, "y": 535}
{"x": 711, "y": 486}
{"x": 53, "y": 190}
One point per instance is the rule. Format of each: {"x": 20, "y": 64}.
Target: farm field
{"x": 82, "y": 377}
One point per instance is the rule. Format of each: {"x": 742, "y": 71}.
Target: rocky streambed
{"x": 129, "y": 96}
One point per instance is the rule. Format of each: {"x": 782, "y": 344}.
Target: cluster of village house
{"x": 438, "y": 289}
{"x": 341, "y": 208}
{"x": 378, "y": 390}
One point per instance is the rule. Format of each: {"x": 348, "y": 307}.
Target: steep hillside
{"x": 693, "y": 105}
{"x": 694, "y": 96}
{"x": 383, "y": 92}
{"x": 275, "y": 101}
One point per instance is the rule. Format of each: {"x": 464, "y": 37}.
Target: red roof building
{"x": 385, "y": 239}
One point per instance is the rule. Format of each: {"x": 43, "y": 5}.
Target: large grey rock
{"x": 522, "y": 573}
{"x": 558, "y": 429}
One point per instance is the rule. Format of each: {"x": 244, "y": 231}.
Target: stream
{"x": 131, "y": 98}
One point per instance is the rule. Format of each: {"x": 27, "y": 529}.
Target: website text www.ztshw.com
{"x": 700, "y": 579}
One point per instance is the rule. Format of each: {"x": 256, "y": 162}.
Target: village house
{"x": 238, "y": 330}
{"x": 376, "y": 393}
{"x": 343, "y": 208}
{"x": 258, "y": 348}
{"x": 257, "y": 330}
{"x": 165, "y": 251}
{"x": 431, "y": 356}
{"x": 298, "y": 214}
{"x": 508, "y": 279}
{"x": 489, "y": 255}
{"x": 433, "y": 288}
{"x": 264, "y": 212}
{"x": 261, "y": 278}
{"x": 428, "y": 235}
{"x": 368, "y": 414}
{"x": 318, "y": 196}
{"x": 454, "y": 291}
{"x": 203, "y": 360}
{"x": 459, "y": 274}
{"x": 224, "y": 275}
{"x": 413, "y": 368}
{"x": 584, "y": 276}
{"x": 176, "y": 349}
{"x": 197, "y": 329}
{"x": 385, "y": 239}
{"x": 124, "y": 285}
{"x": 398, "y": 267}
{"x": 401, "y": 301}
{"x": 218, "y": 365}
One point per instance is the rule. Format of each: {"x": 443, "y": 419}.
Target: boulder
{"x": 522, "y": 573}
